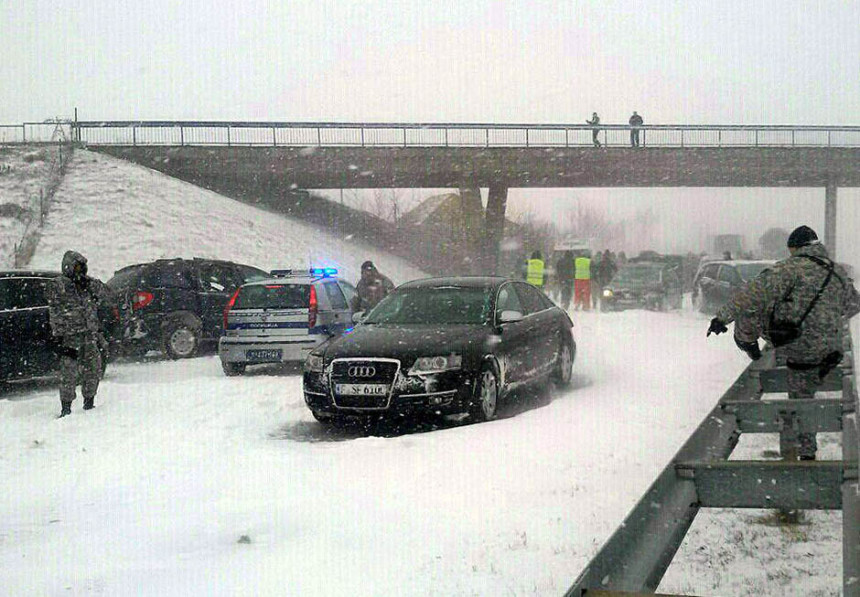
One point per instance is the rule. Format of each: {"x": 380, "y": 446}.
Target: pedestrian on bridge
{"x": 595, "y": 120}
{"x": 799, "y": 306}
{"x": 635, "y": 122}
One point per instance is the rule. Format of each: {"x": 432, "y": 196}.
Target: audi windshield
{"x": 433, "y": 305}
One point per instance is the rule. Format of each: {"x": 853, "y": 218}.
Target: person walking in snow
{"x": 595, "y": 120}
{"x": 635, "y": 122}
{"x": 565, "y": 273}
{"x": 799, "y": 306}
{"x": 371, "y": 288}
{"x": 582, "y": 282}
{"x": 73, "y": 302}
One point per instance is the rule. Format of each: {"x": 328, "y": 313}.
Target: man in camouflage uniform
{"x": 784, "y": 293}
{"x": 371, "y": 288}
{"x": 73, "y": 302}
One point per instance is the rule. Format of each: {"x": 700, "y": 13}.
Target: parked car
{"x": 443, "y": 346}
{"x": 283, "y": 318}
{"x": 717, "y": 281}
{"x": 28, "y": 348}
{"x": 645, "y": 285}
{"x": 175, "y": 304}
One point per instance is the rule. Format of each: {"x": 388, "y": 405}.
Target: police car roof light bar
{"x": 323, "y": 271}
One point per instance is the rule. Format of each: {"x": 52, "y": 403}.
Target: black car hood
{"x": 408, "y": 342}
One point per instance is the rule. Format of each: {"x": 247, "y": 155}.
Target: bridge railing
{"x": 431, "y": 134}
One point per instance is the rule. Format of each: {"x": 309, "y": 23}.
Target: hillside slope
{"x": 117, "y": 213}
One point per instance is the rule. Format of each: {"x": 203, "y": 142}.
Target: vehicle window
{"x": 5, "y": 300}
{"x": 348, "y": 291}
{"x": 508, "y": 300}
{"x": 434, "y": 305}
{"x": 748, "y": 271}
{"x": 672, "y": 279}
{"x": 335, "y": 296}
{"x": 171, "y": 274}
{"x": 728, "y": 274}
{"x": 637, "y": 274}
{"x": 273, "y": 296}
{"x": 530, "y": 299}
{"x": 124, "y": 278}
{"x": 26, "y": 293}
{"x": 246, "y": 274}
{"x": 217, "y": 277}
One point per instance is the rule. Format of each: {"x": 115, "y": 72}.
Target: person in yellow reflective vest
{"x": 582, "y": 282}
{"x": 535, "y": 271}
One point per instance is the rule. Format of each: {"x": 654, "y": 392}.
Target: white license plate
{"x": 263, "y": 354}
{"x": 361, "y": 389}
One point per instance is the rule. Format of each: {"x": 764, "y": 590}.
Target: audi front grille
{"x": 361, "y": 374}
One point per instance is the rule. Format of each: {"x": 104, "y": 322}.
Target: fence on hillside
{"x": 60, "y": 151}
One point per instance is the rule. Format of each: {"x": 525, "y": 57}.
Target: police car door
{"x": 339, "y": 315}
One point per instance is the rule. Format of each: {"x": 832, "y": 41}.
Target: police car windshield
{"x": 273, "y": 296}
{"x": 439, "y": 305}
{"x": 748, "y": 271}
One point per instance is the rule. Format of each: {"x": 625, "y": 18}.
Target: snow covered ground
{"x": 117, "y": 213}
{"x": 185, "y": 482}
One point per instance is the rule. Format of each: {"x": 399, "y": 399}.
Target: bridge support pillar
{"x": 472, "y": 218}
{"x": 494, "y": 226}
{"x": 830, "y": 218}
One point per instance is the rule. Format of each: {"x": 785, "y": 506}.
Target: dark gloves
{"x": 65, "y": 351}
{"x": 829, "y": 363}
{"x": 717, "y": 327}
{"x": 751, "y": 348}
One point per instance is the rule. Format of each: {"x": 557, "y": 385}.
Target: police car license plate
{"x": 264, "y": 354}
{"x": 361, "y": 389}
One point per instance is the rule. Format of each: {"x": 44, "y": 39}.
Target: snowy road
{"x": 151, "y": 492}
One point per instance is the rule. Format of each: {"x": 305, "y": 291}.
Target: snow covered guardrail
{"x": 637, "y": 555}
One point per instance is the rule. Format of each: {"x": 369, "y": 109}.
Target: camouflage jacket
{"x": 72, "y": 308}
{"x": 785, "y": 292}
{"x": 369, "y": 293}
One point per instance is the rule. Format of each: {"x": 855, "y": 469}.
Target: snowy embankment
{"x": 24, "y": 169}
{"x": 117, "y": 214}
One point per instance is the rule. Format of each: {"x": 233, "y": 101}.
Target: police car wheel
{"x": 181, "y": 341}
{"x": 231, "y": 369}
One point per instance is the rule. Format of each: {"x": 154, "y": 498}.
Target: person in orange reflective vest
{"x": 582, "y": 282}
{"x": 535, "y": 271}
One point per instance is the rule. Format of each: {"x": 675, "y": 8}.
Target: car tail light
{"x": 229, "y": 306}
{"x": 312, "y": 308}
{"x": 140, "y": 299}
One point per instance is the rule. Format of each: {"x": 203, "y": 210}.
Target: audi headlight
{"x": 314, "y": 363}
{"x": 607, "y": 292}
{"x": 438, "y": 364}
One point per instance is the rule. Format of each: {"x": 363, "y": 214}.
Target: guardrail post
{"x": 274, "y": 137}
{"x": 134, "y": 136}
{"x": 719, "y": 137}
{"x": 181, "y": 135}
{"x": 527, "y": 137}
{"x": 567, "y": 137}
{"x": 487, "y": 137}
{"x": 362, "y": 137}
{"x": 404, "y": 136}
{"x": 228, "y": 136}
{"x": 446, "y": 137}
{"x": 319, "y": 135}
{"x": 756, "y": 137}
{"x": 24, "y": 133}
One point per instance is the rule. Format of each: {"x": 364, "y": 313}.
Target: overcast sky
{"x": 675, "y": 62}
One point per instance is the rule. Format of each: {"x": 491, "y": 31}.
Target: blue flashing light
{"x": 323, "y": 271}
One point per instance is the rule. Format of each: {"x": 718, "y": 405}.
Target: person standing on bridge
{"x": 635, "y": 122}
{"x": 595, "y": 120}
{"x": 799, "y": 306}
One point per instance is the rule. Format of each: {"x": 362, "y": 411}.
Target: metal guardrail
{"x": 354, "y": 134}
{"x": 637, "y": 555}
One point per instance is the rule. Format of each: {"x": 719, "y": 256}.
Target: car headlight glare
{"x": 607, "y": 292}
{"x": 436, "y": 364}
{"x": 314, "y": 363}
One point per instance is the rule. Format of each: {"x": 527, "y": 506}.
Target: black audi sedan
{"x": 441, "y": 346}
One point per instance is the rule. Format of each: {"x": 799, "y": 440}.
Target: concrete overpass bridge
{"x": 272, "y": 158}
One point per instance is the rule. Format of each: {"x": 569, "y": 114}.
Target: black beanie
{"x": 802, "y": 236}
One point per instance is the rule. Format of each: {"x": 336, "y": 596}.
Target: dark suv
{"x": 175, "y": 304}
{"x": 27, "y": 346}
{"x": 717, "y": 281}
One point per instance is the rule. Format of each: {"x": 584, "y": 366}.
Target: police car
{"x": 283, "y": 318}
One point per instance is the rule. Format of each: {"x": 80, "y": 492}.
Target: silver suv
{"x": 283, "y": 318}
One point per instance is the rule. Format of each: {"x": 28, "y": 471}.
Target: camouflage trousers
{"x": 801, "y": 386}
{"x": 84, "y": 371}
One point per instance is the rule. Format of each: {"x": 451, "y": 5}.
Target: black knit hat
{"x": 368, "y": 265}
{"x": 802, "y": 236}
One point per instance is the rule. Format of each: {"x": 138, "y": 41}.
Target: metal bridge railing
{"x": 347, "y": 134}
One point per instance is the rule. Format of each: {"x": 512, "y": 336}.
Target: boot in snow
{"x": 65, "y": 409}
{"x": 89, "y": 403}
